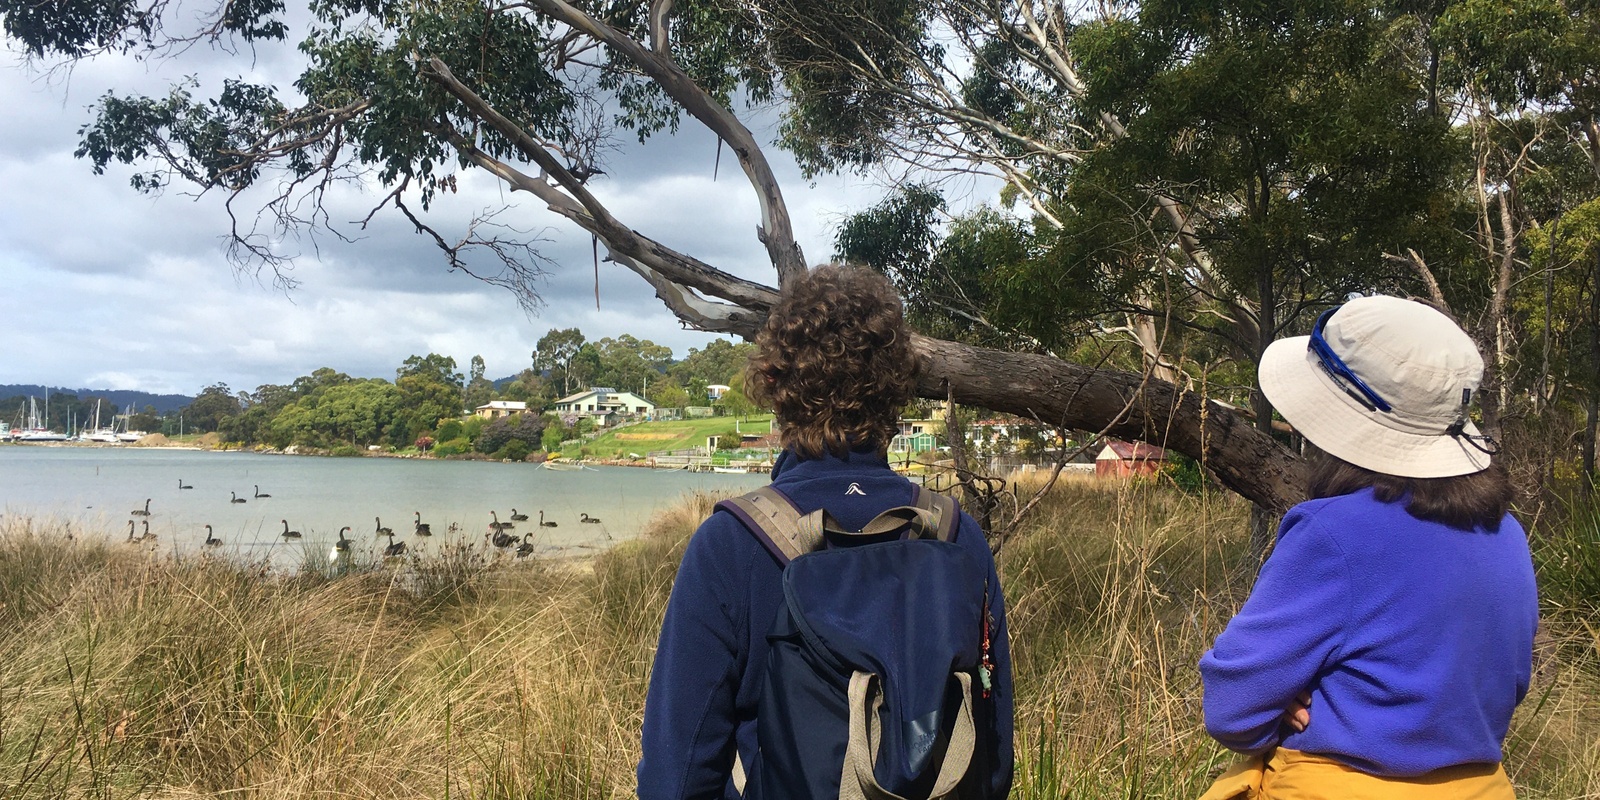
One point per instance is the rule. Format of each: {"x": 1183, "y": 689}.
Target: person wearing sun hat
{"x": 1390, "y": 634}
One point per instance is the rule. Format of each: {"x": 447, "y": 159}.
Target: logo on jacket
{"x": 855, "y": 488}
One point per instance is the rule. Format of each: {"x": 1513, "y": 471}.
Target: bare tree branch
{"x": 776, "y": 231}
{"x": 573, "y": 201}
{"x": 1414, "y": 261}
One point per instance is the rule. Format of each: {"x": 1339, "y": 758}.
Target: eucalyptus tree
{"x": 1522, "y": 77}
{"x": 1221, "y": 166}
{"x": 554, "y": 354}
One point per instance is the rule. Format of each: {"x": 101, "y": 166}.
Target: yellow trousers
{"x": 1292, "y": 775}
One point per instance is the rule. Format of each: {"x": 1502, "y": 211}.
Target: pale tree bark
{"x": 1592, "y": 413}
{"x": 1498, "y": 172}
{"x": 1494, "y": 331}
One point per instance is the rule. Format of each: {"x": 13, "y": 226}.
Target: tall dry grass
{"x": 124, "y": 675}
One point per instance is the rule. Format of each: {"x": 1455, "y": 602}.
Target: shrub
{"x": 553, "y": 436}
{"x": 515, "y": 450}
{"x": 424, "y": 443}
{"x": 345, "y": 451}
{"x": 525, "y": 428}
{"x": 1567, "y": 556}
{"x": 453, "y": 447}
{"x": 726, "y": 439}
{"x": 493, "y": 437}
{"x": 450, "y": 429}
{"x": 1185, "y": 473}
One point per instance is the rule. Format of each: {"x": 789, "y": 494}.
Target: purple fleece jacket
{"x": 708, "y": 668}
{"x": 1415, "y": 640}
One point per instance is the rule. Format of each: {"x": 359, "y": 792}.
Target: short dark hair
{"x": 1464, "y": 501}
{"x": 835, "y": 362}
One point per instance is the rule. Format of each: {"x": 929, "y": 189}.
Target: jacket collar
{"x": 791, "y": 467}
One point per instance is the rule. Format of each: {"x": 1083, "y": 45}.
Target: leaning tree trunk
{"x": 1123, "y": 404}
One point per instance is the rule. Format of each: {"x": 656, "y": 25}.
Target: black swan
{"x": 288, "y": 534}
{"x": 237, "y": 498}
{"x": 526, "y": 548}
{"x": 422, "y": 527}
{"x": 515, "y": 517}
{"x": 542, "y": 523}
{"x": 382, "y": 531}
{"x": 142, "y": 512}
{"x": 589, "y": 520}
{"x": 211, "y": 540}
{"x": 181, "y": 486}
{"x": 258, "y": 492}
{"x": 395, "y": 548}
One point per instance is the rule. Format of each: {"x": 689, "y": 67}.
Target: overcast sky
{"x": 102, "y": 287}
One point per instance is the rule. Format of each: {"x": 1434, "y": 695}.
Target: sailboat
{"x": 127, "y": 435}
{"x": 35, "y": 431}
{"x": 99, "y": 434}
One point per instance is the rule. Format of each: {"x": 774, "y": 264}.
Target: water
{"x": 94, "y": 489}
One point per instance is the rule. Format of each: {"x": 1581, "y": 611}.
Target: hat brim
{"x": 1322, "y": 412}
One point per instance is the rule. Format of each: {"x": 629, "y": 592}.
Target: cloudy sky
{"x": 102, "y": 287}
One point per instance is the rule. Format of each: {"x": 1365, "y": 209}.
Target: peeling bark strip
{"x": 1069, "y": 395}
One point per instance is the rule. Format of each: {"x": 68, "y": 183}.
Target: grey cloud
{"x": 106, "y": 287}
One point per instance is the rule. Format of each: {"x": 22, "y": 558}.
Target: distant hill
{"x": 123, "y": 398}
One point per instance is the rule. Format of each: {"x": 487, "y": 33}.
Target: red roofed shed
{"x": 1121, "y": 459}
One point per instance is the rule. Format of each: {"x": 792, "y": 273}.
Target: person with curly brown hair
{"x": 836, "y": 363}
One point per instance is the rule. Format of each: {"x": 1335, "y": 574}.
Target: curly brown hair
{"x": 835, "y": 362}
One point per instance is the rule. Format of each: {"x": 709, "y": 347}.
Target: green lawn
{"x": 672, "y": 435}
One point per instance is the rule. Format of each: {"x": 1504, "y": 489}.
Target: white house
{"x": 495, "y": 409}
{"x": 600, "y": 401}
{"x": 716, "y": 390}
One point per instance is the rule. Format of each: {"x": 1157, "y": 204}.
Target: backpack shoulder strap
{"x": 945, "y": 509}
{"x": 776, "y": 523}
{"x": 930, "y": 516}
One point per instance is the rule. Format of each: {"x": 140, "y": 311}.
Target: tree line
{"x": 429, "y": 401}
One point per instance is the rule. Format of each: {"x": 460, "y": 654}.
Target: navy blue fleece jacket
{"x": 707, "y": 674}
{"x": 1414, "y": 639}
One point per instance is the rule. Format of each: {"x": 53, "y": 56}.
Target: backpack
{"x": 874, "y": 655}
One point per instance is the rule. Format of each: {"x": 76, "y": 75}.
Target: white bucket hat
{"x": 1384, "y": 384}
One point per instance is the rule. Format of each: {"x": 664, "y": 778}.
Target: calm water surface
{"x": 93, "y": 489}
